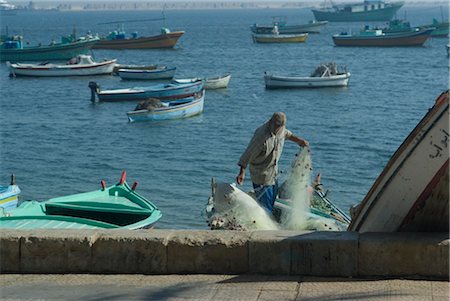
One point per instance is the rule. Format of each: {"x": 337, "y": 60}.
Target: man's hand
{"x": 241, "y": 176}
{"x": 303, "y": 143}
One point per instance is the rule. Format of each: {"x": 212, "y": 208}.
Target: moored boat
{"x": 376, "y": 38}
{"x": 159, "y": 72}
{"x": 160, "y": 91}
{"x": 279, "y": 38}
{"x": 9, "y": 195}
{"x": 412, "y": 192}
{"x": 118, "y": 40}
{"x": 440, "y": 29}
{"x": 115, "y": 207}
{"x": 325, "y": 75}
{"x": 155, "y": 110}
{"x": 219, "y": 82}
{"x": 209, "y": 83}
{"x": 82, "y": 65}
{"x": 369, "y": 10}
{"x": 284, "y": 28}
{"x": 13, "y": 49}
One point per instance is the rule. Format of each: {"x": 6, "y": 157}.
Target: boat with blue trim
{"x": 155, "y": 110}
{"x": 9, "y": 195}
{"x": 161, "y": 91}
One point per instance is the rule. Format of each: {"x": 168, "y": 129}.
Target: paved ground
{"x": 214, "y": 287}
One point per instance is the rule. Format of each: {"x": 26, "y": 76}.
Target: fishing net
{"x": 231, "y": 208}
{"x": 298, "y": 207}
{"x": 296, "y": 191}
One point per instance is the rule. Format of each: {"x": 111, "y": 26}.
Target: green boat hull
{"x": 59, "y": 51}
{"x": 114, "y": 207}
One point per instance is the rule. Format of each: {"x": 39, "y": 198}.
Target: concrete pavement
{"x": 214, "y": 287}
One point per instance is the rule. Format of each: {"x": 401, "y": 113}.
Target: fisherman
{"x": 262, "y": 155}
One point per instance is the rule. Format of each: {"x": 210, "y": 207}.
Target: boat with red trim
{"x": 412, "y": 192}
{"x": 378, "y": 38}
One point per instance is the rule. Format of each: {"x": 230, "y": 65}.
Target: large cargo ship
{"x": 369, "y": 10}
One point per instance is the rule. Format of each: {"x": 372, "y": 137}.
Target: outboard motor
{"x": 95, "y": 88}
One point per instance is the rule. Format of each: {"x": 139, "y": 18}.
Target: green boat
{"x": 12, "y": 49}
{"x": 115, "y": 207}
{"x": 441, "y": 29}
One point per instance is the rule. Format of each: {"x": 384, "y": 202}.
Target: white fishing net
{"x": 296, "y": 190}
{"x": 231, "y": 208}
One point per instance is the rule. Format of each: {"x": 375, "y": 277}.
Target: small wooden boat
{"x": 82, "y": 65}
{"x": 377, "y": 38}
{"x": 155, "y": 110}
{"x": 209, "y": 83}
{"x": 13, "y": 50}
{"x": 160, "y": 91}
{"x": 219, "y": 82}
{"x": 118, "y": 40}
{"x": 159, "y": 72}
{"x": 134, "y": 67}
{"x": 367, "y": 10}
{"x": 284, "y": 28}
{"x": 412, "y": 192}
{"x": 279, "y": 38}
{"x": 116, "y": 207}
{"x": 9, "y": 195}
{"x": 326, "y": 75}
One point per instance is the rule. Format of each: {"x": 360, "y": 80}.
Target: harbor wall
{"x": 333, "y": 254}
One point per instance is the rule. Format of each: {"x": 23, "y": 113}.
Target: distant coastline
{"x": 100, "y": 5}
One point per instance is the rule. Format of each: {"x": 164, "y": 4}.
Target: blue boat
{"x": 161, "y": 91}
{"x": 9, "y": 195}
{"x": 369, "y": 10}
{"x": 13, "y": 50}
{"x": 155, "y": 110}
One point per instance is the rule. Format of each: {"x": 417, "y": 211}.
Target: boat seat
{"x": 115, "y": 214}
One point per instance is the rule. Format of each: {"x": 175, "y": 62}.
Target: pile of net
{"x": 233, "y": 209}
{"x": 149, "y": 104}
{"x": 325, "y": 70}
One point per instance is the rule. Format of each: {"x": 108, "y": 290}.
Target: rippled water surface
{"x": 57, "y": 142}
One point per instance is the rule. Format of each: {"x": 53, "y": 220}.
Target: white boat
{"x": 209, "y": 83}
{"x": 9, "y": 195}
{"x": 219, "y": 82}
{"x": 412, "y": 192}
{"x": 159, "y": 72}
{"x": 326, "y": 75}
{"x": 155, "y": 110}
{"x": 81, "y": 65}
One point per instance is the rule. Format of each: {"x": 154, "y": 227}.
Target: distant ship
{"x": 369, "y": 10}
{"x": 7, "y": 9}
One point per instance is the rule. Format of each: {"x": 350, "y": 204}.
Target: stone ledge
{"x": 339, "y": 254}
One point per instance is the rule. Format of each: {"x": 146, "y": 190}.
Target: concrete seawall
{"x": 334, "y": 254}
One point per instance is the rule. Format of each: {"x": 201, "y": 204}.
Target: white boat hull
{"x": 273, "y": 81}
{"x": 188, "y": 109}
{"x": 52, "y": 70}
{"x": 411, "y": 193}
{"x": 164, "y": 73}
{"x": 217, "y": 83}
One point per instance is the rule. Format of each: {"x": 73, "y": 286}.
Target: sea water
{"x": 57, "y": 142}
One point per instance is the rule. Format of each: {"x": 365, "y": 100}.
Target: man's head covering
{"x": 277, "y": 121}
